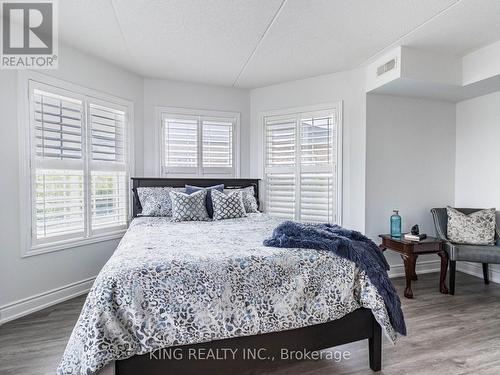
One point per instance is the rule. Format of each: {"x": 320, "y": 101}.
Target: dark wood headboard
{"x": 229, "y": 183}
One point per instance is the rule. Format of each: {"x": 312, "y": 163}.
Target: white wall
{"x": 477, "y": 176}
{"x": 198, "y": 96}
{"x": 23, "y": 278}
{"x": 348, "y": 87}
{"x": 410, "y": 165}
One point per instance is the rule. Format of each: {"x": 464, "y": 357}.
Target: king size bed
{"x": 199, "y": 286}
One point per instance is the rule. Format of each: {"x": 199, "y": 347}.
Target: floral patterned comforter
{"x": 171, "y": 284}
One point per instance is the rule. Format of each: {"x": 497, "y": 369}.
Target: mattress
{"x": 178, "y": 283}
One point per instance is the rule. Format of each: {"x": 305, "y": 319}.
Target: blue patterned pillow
{"x": 189, "y": 207}
{"x": 228, "y": 206}
{"x": 210, "y": 207}
{"x": 249, "y": 200}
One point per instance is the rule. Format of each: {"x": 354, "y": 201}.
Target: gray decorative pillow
{"x": 155, "y": 201}
{"x": 477, "y": 228}
{"x": 249, "y": 200}
{"x": 228, "y": 206}
{"x": 189, "y": 207}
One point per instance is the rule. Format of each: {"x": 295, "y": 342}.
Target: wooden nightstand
{"x": 410, "y": 250}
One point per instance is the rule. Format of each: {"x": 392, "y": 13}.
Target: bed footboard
{"x": 242, "y": 354}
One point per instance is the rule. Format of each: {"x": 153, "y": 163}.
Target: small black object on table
{"x": 410, "y": 250}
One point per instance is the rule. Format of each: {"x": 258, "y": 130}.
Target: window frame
{"x": 162, "y": 111}
{"x": 297, "y": 112}
{"x": 28, "y": 81}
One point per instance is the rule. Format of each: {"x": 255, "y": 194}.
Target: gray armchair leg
{"x": 486, "y": 275}
{"x": 453, "y": 268}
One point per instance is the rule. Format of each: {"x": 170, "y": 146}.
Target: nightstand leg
{"x": 408, "y": 262}
{"x": 414, "y": 267}
{"x": 442, "y": 276}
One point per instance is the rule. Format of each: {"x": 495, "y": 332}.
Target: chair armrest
{"x": 439, "y": 217}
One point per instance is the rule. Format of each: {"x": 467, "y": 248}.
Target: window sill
{"x": 68, "y": 244}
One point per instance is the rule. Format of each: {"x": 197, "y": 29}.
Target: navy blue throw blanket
{"x": 347, "y": 244}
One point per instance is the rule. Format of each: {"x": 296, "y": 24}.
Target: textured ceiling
{"x": 461, "y": 29}
{"x": 253, "y": 43}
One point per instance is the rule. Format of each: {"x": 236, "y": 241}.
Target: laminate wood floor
{"x": 446, "y": 335}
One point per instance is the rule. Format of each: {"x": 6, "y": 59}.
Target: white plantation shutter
{"x": 79, "y": 163}
{"x": 301, "y": 165}
{"x": 317, "y": 197}
{"x": 107, "y": 133}
{"x": 57, "y": 122}
{"x": 317, "y": 135}
{"x": 281, "y": 142}
{"x": 108, "y": 177}
{"x": 280, "y": 166}
{"x": 58, "y": 208}
{"x": 198, "y": 145}
{"x": 281, "y": 194}
{"x": 59, "y": 203}
{"x": 109, "y": 205}
{"x": 180, "y": 144}
{"x": 317, "y": 165}
{"x": 217, "y": 151}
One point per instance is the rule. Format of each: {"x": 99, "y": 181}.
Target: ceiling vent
{"x": 387, "y": 67}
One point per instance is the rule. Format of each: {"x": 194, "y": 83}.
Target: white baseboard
{"x": 427, "y": 266}
{"x": 476, "y": 269}
{"x": 40, "y": 301}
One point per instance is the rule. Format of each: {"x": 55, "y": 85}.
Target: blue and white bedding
{"x": 178, "y": 283}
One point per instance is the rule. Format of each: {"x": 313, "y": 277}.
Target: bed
{"x": 212, "y": 287}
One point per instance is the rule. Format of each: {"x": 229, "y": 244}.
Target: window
{"x": 78, "y": 167}
{"x": 199, "y": 143}
{"x": 301, "y": 165}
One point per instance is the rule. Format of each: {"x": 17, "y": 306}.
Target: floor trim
{"x": 426, "y": 266}
{"x": 470, "y": 268}
{"x": 476, "y": 269}
{"x": 40, "y": 301}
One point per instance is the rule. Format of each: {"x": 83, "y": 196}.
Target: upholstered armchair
{"x": 468, "y": 253}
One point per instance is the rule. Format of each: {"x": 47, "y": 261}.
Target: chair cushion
{"x": 477, "y": 228}
{"x": 475, "y": 253}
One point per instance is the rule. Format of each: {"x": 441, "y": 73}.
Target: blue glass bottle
{"x": 396, "y": 224}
